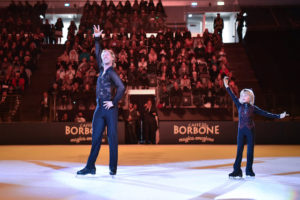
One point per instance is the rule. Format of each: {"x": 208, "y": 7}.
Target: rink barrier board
{"x": 170, "y": 132}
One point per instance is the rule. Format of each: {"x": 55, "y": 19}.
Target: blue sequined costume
{"x": 102, "y": 117}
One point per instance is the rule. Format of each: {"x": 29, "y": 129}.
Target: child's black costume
{"x": 246, "y": 129}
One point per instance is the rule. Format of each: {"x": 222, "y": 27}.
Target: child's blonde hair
{"x": 250, "y": 93}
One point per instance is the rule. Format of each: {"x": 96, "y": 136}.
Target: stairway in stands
{"x": 241, "y": 68}
{"x": 40, "y": 81}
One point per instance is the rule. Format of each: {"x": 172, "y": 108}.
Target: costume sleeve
{"x": 259, "y": 111}
{"x": 119, "y": 85}
{"x": 234, "y": 98}
{"x": 98, "y": 51}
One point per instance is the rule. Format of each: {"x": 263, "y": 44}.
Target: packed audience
{"x": 186, "y": 71}
{"x": 124, "y": 18}
{"x": 20, "y": 46}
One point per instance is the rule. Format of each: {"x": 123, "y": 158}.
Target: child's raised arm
{"x": 234, "y": 98}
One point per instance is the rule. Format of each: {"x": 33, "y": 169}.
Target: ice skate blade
{"x": 235, "y": 177}
{"x": 86, "y": 176}
{"x": 250, "y": 177}
{"x": 113, "y": 176}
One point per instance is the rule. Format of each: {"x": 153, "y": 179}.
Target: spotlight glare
{"x": 67, "y": 4}
{"x": 220, "y": 3}
{"x": 194, "y": 3}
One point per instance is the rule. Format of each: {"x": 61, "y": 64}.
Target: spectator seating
{"x": 20, "y": 46}
{"x": 142, "y": 62}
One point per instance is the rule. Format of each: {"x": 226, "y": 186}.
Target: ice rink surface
{"x": 277, "y": 178}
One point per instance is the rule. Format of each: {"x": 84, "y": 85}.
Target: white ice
{"x": 277, "y": 178}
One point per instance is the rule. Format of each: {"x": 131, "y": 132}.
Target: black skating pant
{"x": 102, "y": 118}
{"x": 249, "y": 135}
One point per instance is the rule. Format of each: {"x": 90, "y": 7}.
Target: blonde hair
{"x": 112, "y": 55}
{"x": 250, "y": 93}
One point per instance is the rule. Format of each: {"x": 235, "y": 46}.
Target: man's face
{"x": 106, "y": 57}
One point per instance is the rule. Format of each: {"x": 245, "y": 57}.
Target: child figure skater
{"x": 246, "y": 110}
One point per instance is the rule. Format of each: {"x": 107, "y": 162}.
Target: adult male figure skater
{"x": 106, "y": 112}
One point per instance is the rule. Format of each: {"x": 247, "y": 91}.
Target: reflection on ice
{"x": 276, "y": 178}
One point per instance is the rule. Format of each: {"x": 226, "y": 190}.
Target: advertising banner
{"x": 170, "y": 132}
{"x": 225, "y": 132}
{"x": 81, "y": 133}
{"x": 52, "y": 133}
{"x": 197, "y": 132}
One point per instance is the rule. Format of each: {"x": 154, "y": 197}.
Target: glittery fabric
{"x": 246, "y": 112}
{"x": 107, "y": 81}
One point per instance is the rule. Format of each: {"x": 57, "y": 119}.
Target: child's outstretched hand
{"x": 226, "y": 80}
{"x": 283, "y": 115}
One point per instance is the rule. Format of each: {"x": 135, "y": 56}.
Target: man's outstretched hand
{"x": 97, "y": 31}
{"x": 226, "y": 80}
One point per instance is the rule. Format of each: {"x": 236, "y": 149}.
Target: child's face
{"x": 245, "y": 97}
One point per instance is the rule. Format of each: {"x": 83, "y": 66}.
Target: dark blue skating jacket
{"x": 107, "y": 82}
{"x": 246, "y": 112}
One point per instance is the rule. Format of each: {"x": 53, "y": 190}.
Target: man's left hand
{"x": 108, "y": 104}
